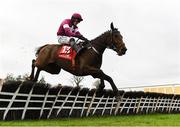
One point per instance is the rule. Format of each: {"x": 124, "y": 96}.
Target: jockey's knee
{"x": 63, "y": 39}
{"x": 72, "y": 41}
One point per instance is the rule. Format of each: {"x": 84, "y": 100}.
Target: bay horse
{"x": 87, "y": 62}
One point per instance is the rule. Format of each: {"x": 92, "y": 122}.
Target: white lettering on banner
{"x": 66, "y": 49}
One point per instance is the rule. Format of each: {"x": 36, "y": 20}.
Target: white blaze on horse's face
{"x": 118, "y": 43}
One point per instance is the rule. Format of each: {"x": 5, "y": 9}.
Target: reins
{"x": 103, "y": 45}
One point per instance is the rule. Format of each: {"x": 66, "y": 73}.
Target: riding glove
{"x": 83, "y": 38}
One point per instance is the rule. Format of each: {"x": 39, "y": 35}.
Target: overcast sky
{"x": 150, "y": 28}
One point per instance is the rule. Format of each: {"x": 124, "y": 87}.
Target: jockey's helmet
{"x": 76, "y": 16}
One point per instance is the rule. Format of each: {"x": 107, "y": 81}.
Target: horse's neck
{"x": 100, "y": 43}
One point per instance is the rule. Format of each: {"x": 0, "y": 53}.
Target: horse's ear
{"x": 112, "y": 26}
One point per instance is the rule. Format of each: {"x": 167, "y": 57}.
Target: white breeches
{"x": 63, "y": 39}
{"x": 66, "y": 40}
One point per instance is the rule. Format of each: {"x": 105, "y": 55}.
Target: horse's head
{"x": 116, "y": 42}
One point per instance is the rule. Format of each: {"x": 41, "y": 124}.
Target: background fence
{"x": 27, "y": 100}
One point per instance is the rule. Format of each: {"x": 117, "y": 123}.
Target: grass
{"x": 130, "y": 120}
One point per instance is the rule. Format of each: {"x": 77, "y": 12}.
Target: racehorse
{"x": 87, "y": 62}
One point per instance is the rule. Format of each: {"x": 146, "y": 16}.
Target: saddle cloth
{"x": 66, "y": 52}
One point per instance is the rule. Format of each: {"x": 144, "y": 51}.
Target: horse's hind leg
{"x": 31, "y": 77}
{"x": 52, "y": 68}
{"x": 36, "y": 75}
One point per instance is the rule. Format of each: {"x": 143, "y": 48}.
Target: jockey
{"x": 68, "y": 29}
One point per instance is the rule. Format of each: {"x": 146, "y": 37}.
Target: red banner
{"x": 66, "y": 52}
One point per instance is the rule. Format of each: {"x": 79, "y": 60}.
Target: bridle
{"x": 112, "y": 46}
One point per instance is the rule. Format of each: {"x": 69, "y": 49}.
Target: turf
{"x": 130, "y": 120}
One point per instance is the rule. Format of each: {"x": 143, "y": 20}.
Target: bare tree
{"x": 1, "y": 83}
{"x": 76, "y": 80}
{"x": 11, "y": 77}
{"x": 42, "y": 80}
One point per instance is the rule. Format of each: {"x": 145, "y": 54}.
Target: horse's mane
{"x": 100, "y": 36}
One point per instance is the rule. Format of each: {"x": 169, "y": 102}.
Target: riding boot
{"x": 74, "y": 45}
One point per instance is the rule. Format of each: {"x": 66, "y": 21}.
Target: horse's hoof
{"x": 34, "y": 80}
{"x": 118, "y": 96}
{"x": 28, "y": 79}
{"x": 100, "y": 89}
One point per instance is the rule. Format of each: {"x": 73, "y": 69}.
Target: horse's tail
{"x": 39, "y": 49}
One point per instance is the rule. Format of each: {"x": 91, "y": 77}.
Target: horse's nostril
{"x": 124, "y": 50}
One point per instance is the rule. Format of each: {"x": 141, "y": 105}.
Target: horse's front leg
{"x": 98, "y": 73}
{"x": 103, "y": 77}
